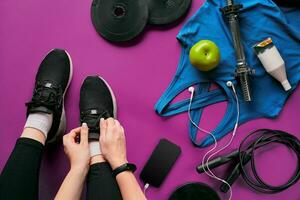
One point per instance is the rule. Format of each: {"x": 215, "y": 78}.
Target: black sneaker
{"x": 96, "y": 101}
{"x": 51, "y": 83}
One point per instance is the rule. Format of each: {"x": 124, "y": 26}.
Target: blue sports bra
{"x": 259, "y": 19}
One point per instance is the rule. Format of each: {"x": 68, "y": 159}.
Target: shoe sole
{"x": 113, "y": 97}
{"x": 63, "y": 121}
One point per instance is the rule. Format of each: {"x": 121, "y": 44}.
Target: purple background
{"x": 138, "y": 74}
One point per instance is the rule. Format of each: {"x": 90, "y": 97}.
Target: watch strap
{"x": 125, "y": 167}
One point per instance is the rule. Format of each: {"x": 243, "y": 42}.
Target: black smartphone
{"x": 160, "y": 163}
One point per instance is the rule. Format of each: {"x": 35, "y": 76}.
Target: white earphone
{"x": 191, "y": 89}
{"x": 229, "y": 84}
{"x": 207, "y": 169}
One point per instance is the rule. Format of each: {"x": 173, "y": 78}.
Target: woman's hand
{"x": 113, "y": 147}
{"x": 78, "y": 153}
{"x": 79, "y": 156}
{"x": 112, "y": 142}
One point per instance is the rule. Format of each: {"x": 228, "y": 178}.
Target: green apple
{"x": 205, "y": 55}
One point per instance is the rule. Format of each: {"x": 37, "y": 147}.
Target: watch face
{"x": 131, "y": 167}
{"x": 192, "y": 191}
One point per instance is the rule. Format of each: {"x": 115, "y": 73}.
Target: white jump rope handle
{"x": 207, "y": 169}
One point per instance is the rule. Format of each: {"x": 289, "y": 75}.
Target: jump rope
{"x": 246, "y": 153}
{"x": 207, "y": 169}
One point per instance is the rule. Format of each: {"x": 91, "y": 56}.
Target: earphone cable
{"x": 206, "y": 169}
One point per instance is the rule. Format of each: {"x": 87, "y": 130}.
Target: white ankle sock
{"x": 40, "y": 121}
{"x": 94, "y": 148}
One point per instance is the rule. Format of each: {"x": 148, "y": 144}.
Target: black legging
{"x": 19, "y": 179}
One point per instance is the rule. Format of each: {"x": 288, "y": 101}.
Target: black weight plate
{"x": 194, "y": 191}
{"x": 167, "y": 11}
{"x": 119, "y": 20}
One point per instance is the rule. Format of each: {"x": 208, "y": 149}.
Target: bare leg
{"x": 97, "y": 159}
{"x": 34, "y": 134}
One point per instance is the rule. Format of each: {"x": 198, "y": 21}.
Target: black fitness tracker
{"x": 125, "y": 167}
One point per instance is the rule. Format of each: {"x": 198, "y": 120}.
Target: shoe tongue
{"x": 93, "y": 118}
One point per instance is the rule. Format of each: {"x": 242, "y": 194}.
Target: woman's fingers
{"x": 118, "y": 127}
{"x": 109, "y": 127}
{"x": 103, "y": 127}
{"x": 75, "y": 132}
{"x": 110, "y": 121}
{"x": 122, "y": 130}
{"x": 117, "y": 123}
{"x": 84, "y": 134}
{"x": 70, "y": 137}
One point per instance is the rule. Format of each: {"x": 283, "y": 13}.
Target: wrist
{"x": 124, "y": 174}
{"x": 83, "y": 170}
